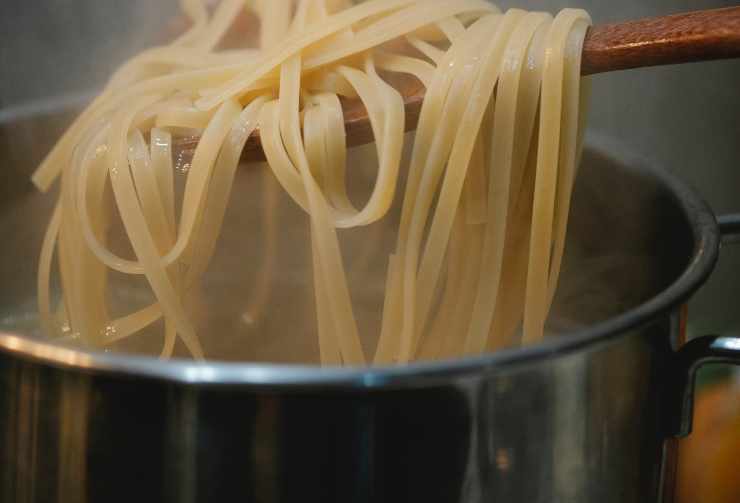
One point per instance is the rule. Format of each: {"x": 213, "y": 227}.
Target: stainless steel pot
{"x": 588, "y": 416}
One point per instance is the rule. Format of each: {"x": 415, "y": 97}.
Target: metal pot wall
{"x": 587, "y": 416}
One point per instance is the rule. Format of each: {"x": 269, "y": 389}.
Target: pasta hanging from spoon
{"x": 486, "y": 199}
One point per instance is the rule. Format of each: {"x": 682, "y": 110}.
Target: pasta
{"x": 486, "y": 197}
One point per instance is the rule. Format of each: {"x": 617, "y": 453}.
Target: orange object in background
{"x": 709, "y": 458}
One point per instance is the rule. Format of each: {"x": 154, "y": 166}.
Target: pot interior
{"x": 628, "y": 239}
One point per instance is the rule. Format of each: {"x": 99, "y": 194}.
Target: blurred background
{"x": 685, "y": 118}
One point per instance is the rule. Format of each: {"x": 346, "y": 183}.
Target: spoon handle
{"x": 680, "y": 38}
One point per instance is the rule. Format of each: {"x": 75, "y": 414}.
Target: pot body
{"x": 588, "y": 425}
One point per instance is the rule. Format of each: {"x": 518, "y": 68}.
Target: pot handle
{"x": 706, "y": 349}
{"x": 729, "y": 228}
{"x": 692, "y": 356}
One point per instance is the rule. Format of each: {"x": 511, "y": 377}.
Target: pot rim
{"x": 706, "y": 239}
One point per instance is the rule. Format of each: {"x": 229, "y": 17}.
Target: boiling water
{"x": 240, "y": 316}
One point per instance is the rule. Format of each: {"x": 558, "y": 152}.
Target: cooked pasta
{"x": 486, "y": 198}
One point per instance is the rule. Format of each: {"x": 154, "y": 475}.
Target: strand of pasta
{"x": 329, "y": 256}
{"x": 294, "y": 44}
{"x": 274, "y": 26}
{"x": 575, "y": 106}
{"x": 510, "y": 307}
{"x": 44, "y": 272}
{"x": 430, "y": 116}
{"x": 471, "y": 106}
{"x": 373, "y": 37}
{"x": 136, "y": 227}
{"x": 195, "y": 190}
{"x": 502, "y": 147}
{"x": 551, "y": 118}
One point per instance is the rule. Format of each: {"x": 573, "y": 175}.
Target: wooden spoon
{"x": 679, "y": 38}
